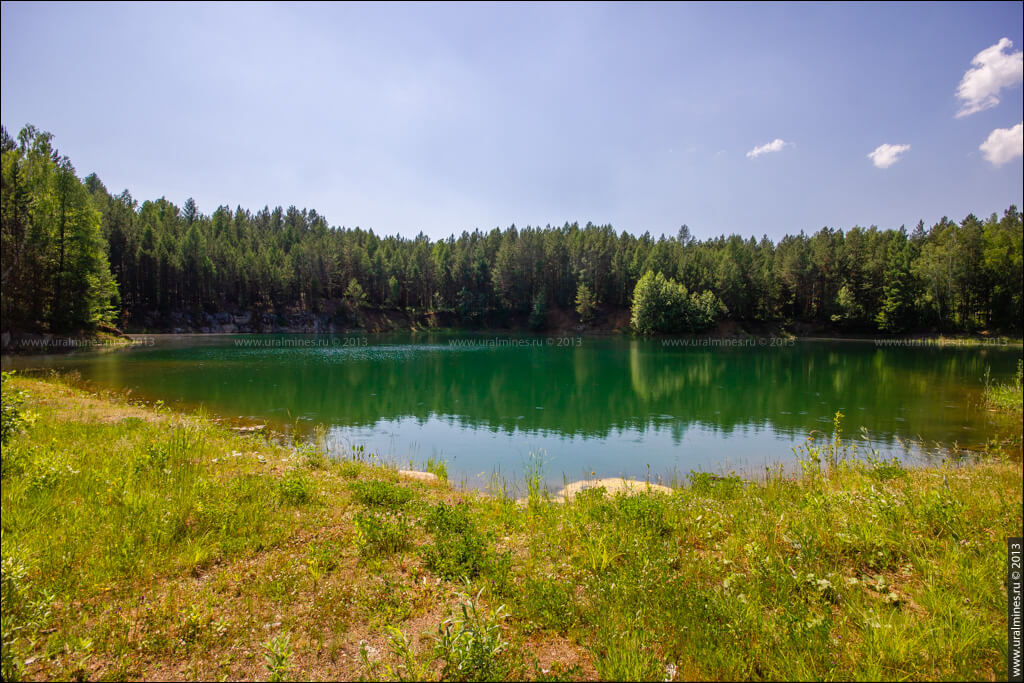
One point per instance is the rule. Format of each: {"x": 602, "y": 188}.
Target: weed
{"x": 459, "y": 549}
{"x": 386, "y": 601}
{"x": 941, "y": 513}
{"x": 350, "y": 469}
{"x": 713, "y": 485}
{"x": 380, "y": 534}
{"x": 278, "y": 656}
{"x": 193, "y": 625}
{"x": 627, "y": 657}
{"x": 599, "y": 550}
{"x": 548, "y": 604}
{"x": 471, "y": 645}
{"x": 1004, "y": 397}
{"x": 295, "y": 489}
{"x": 14, "y": 417}
{"x": 643, "y": 514}
{"x": 311, "y": 456}
{"x": 883, "y": 470}
{"x": 438, "y": 468}
{"x": 380, "y": 494}
{"x": 409, "y": 667}
{"x": 535, "y": 472}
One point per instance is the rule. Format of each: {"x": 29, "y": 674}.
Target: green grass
{"x": 380, "y": 494}
{"x": 146, "y": 543}
{"x": 1006, "y": 397}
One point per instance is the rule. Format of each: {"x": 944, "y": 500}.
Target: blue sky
{"x": 450, "y": 117}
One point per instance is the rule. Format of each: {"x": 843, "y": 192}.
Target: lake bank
{"x": 192, "y": 551}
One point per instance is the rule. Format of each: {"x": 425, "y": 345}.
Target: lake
{"x": 581, "y": 406}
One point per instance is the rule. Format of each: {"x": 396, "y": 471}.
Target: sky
{"x": 731, "y": 118}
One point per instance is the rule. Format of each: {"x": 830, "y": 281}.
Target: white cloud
{"x": 773, "y": 146}
{"x": 1003, "y": 144}
{"x": 993, "y": 70}
{"x": 886, "y": 155}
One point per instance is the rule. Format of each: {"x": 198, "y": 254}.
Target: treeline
{"x": 54, "y": 268}
{"x": 59, "y": 233}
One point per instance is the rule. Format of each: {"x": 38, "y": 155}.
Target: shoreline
{"x": 53, "y": 344}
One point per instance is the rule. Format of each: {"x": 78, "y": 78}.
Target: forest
{"x": 76, "y": 256}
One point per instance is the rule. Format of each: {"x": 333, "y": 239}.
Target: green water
{"x": 608, "y": 406}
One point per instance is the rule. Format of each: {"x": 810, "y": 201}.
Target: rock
{"x": 612, "y": 485}
{"x": 249, "y": 430}
{"x": 428, "y": 477}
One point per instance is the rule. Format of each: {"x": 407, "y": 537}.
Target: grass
{"x": 1006, "y": 397}
{"x": 144, "y": 543}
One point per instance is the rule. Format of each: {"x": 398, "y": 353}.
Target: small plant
{"x": 295, "y": 489}
{"x": 321, "y": 560}
{"x": 380, "y": 494}
{"x": 941, "y": 513}
{"x": 193, "y": 625}
{"x": 718, "y": 486}
{"x": 549, "y": 604}
{"x": 409, "y": 668}
{"x": 460, "y": 549}
{"x": 13, "y": 418}
{"x": 643, "y": 514}
{"x": 884, "y": 470}
{"x": 628, "y": 657}
{"x": 350, "y": 469}
{"x": 1004, "y": 397}
{"x": 381, "y": 534}
{"x": 311, "y": 456}
{"x": 534, "y": 472}
{"x": 599, "y": 551}
{"x": 278, "y": 658}
{"x": 471, "y": 645}
{"x": 438, "y": 468}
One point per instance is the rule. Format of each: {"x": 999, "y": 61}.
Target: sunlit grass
{"x": 1006, "y": 397}
{"x": 146, "y": 543}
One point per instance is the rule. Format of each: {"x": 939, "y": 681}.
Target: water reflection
{"x": 606, "y": 393}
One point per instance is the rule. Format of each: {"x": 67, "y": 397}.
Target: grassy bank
{"x": 139, "y": 542}
{"x": 1007, "y": 397}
